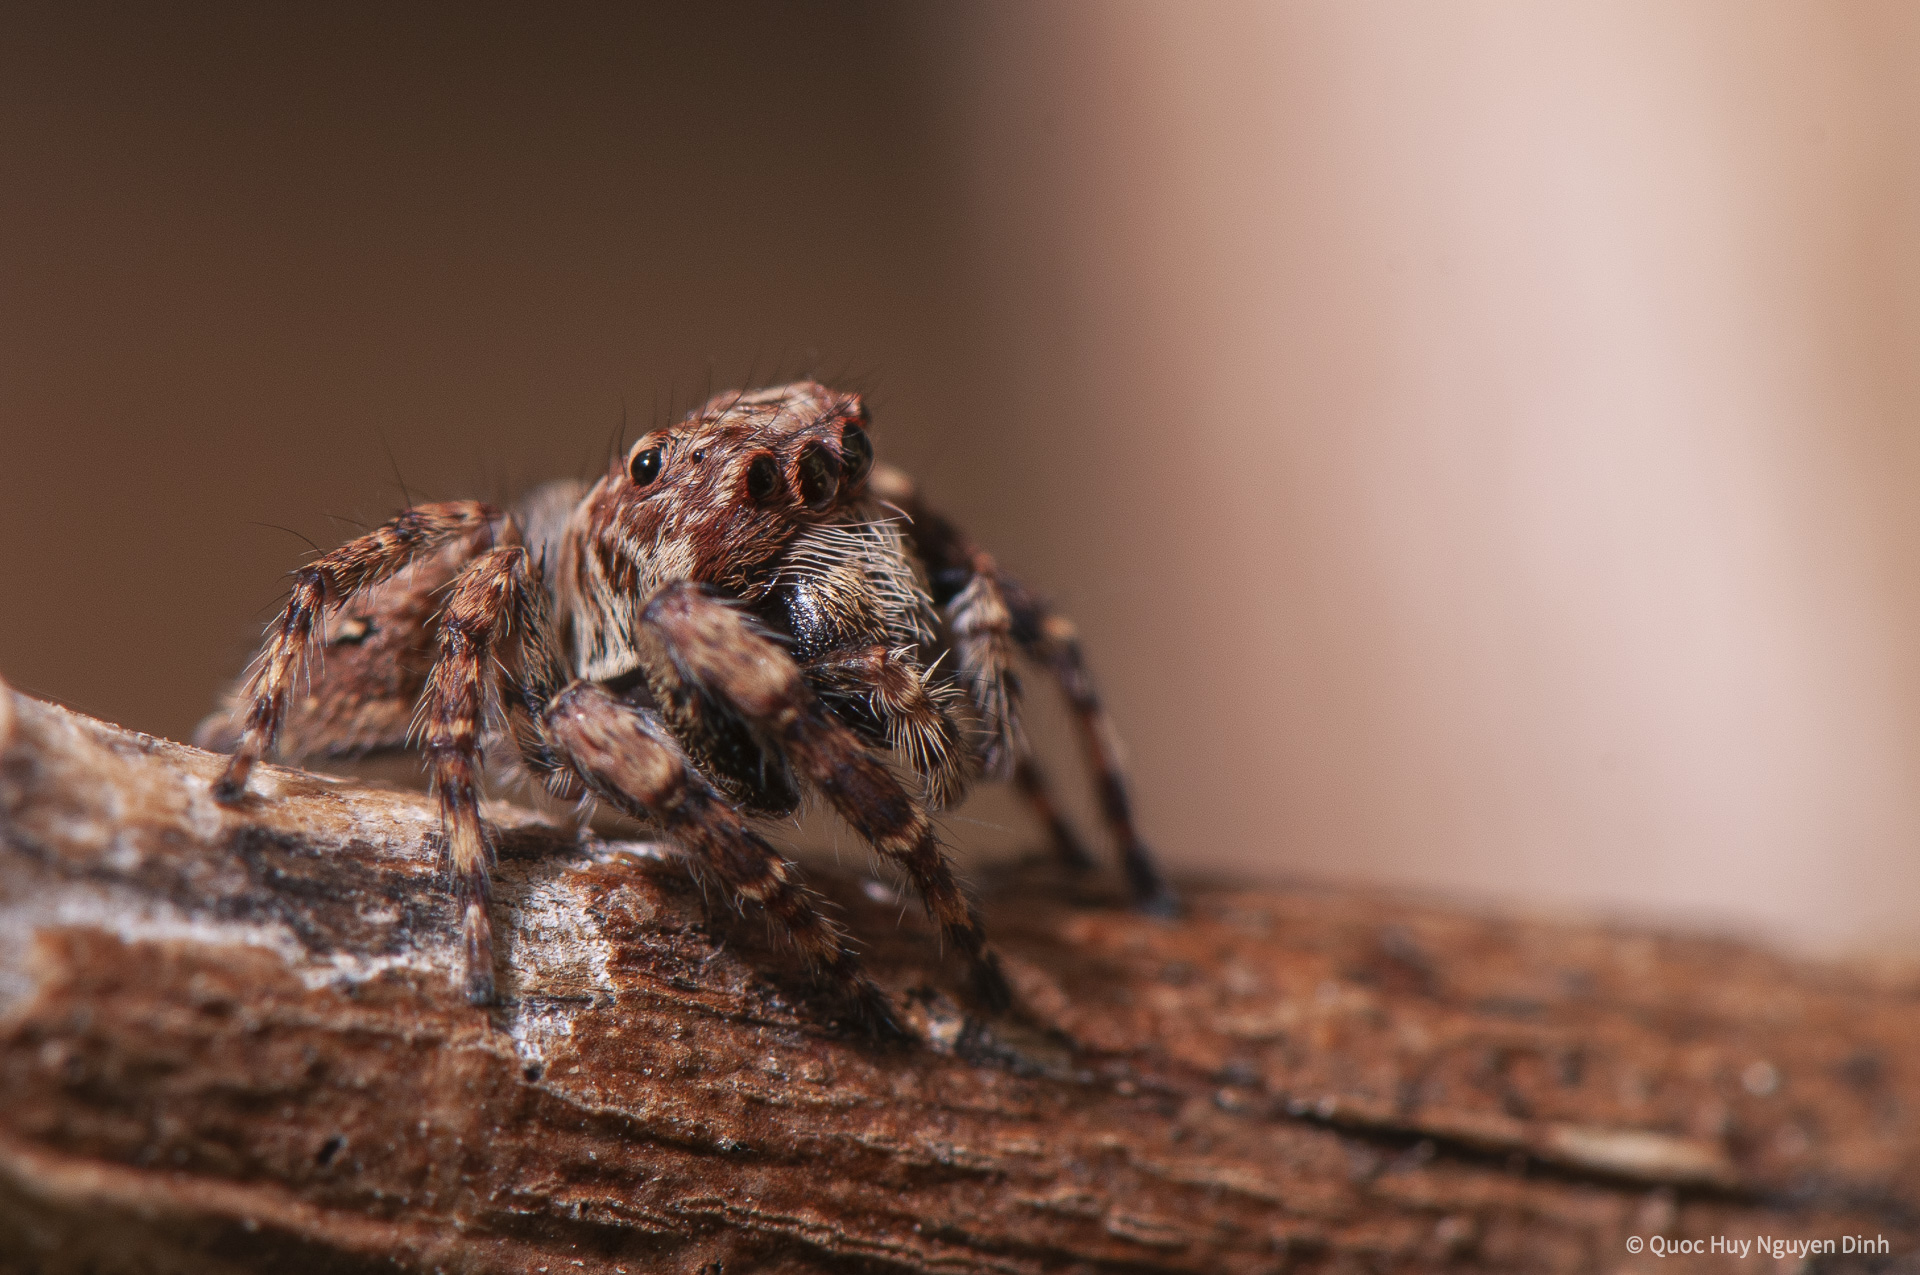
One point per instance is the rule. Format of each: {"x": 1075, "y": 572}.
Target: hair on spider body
{"x": 737, "y": 613}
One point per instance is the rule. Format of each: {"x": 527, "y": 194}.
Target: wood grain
{"x": 230, "y": 1041}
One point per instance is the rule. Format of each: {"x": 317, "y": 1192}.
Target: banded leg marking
{"x": 1055, "y": 643}
{"x": 327, "y": 581}
{"x": 462, "y": 692}
{"x": 629, "y": 759}
{"x": 698, "y": 638}
{"x": 957, "y": 568}
{"x": 1032, "y": 782}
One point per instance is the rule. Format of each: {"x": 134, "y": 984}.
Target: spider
{"x": 744, "y": 609}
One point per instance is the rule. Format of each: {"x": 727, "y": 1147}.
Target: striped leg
{"x": 329, "y": 580}
{"x": 627, "y": 757}
{"x": 1051, "y": 639}
{"x": 983, "y": 647}
{"x": 490, "y": 621}
{"x": 1032, "y": 782}
{"x": 694, "y": 643}
{"x": 986, "y": 606}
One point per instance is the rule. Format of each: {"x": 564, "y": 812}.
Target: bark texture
{"x": 230, "y": 1041}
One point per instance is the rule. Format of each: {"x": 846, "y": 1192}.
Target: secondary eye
{"x": 763, "y": 478}
{"x": 645, "y": 467}
{"x": 856, "y": 453}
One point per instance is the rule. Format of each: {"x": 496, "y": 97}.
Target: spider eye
{"x": 819, "y": 476}
{"x": 856, "y": 453}
{"x": 763, "y": 479}
{"x": 645, "y": 467}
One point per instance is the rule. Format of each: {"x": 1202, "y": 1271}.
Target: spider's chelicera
{"x": 743, "y": 609}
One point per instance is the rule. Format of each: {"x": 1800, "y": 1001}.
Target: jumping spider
{"x": 744, "y": 608}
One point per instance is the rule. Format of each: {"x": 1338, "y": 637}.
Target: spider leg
{"x": 905, "y": 707}
{"x": 982, "y": 626}
{"x": 1032, "y": 782}
{"x": 988, "y": 607}
{"x": 1051, "y": 639}
{"x": 695, "y": 644}
{"x": 481, "y": 647}
{"x": 628, "y": 758}
{"x": 965, "y": 585}
{"x": 328, "y": 580}
{"x": 496, "y": 661}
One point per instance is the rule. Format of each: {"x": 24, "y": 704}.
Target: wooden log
{"x": 230, "y": 1041}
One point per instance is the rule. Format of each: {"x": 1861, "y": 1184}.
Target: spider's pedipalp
{"x": 906, "y": 707}
{"x": 982, "y": 627}
{"x": 690, "y": 636}
{"x": 629, "y": 759}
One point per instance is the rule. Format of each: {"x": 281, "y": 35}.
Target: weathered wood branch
{"x": 229, "y": 1041}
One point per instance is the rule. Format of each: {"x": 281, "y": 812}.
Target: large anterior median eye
{"x": 856, "y": 453}
{"x": 819, "y": 476}
{"x": 645, "y": 467}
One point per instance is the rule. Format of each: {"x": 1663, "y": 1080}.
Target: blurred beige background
{"x": 1475, "y": 439}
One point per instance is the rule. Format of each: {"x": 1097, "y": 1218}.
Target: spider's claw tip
{"x": 1071, "y": 854}
{"x": 1163, "y": 904}
{"x": 1151, "y": 892}
{"x": 873, "y": 1017}
{"x": 990, "y": 984}
{"x": 229, "y": 790}
{"x": 477, "y": 935}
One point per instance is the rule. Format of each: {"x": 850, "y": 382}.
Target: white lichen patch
{"x": 130, "y": 919}
{"x": 605, "y": 851}
{"x": 560, "y": 963}
{"x": 133, "y": 919}
{"x": 558, "y": 946}
{"x": 536, "y": 1029}
{"x": 336, "y": 969}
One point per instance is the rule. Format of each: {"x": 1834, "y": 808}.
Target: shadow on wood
{"x": 229, "y": 1040}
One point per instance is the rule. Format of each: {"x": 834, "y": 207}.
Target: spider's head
{"x": 718, "y": 496}
{"x": 800, "y": 451}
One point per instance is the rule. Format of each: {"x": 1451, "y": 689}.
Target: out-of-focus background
{"x": 1476, "y": 440}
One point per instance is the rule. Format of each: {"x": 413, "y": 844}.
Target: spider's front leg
{"x": 327, "y": 581}
{"x": 629, "y": 759}
{"x": 990, "y": 614}
{"x": 497, "y": 660}
{"x": 696, "y": 645}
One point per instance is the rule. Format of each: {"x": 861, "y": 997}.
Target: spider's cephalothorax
{"x": 743, "y": 609}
